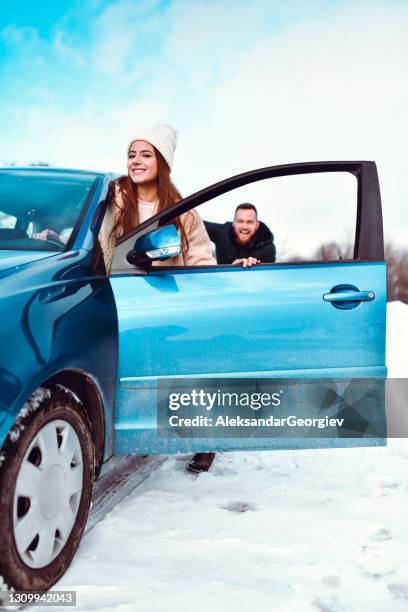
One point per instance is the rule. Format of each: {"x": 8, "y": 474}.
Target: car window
{"x": 312, "y": 217}
{"x": 309, "y": 217}
{"x": 39, "y": 208}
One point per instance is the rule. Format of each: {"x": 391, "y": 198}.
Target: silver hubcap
{"x": 48, "y": 493}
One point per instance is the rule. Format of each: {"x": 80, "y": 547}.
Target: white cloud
{"x": 329, "y": 87}
{"x": 66, "y": 51}
{"x": 13, "y": 35}
{"x": 321, "y": 90}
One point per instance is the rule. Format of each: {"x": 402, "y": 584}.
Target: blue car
{"x": 87, "y": 358}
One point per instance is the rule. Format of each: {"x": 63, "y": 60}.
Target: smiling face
{"x": 245, "y": 225}
{"x": 142, "y": 162}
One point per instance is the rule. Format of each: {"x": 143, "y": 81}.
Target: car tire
{"x": 47, "y": 468}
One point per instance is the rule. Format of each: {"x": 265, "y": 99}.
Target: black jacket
{"x": 227, "y": 249}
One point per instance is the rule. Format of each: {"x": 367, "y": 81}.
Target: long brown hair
{"x": 167, "y": 192}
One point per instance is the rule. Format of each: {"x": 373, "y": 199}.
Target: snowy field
{"x": 293, "y": 531}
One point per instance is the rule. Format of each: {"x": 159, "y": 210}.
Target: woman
{"x": 147, "y": 190}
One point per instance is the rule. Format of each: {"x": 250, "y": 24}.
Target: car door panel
{"x": 269, "y": 321}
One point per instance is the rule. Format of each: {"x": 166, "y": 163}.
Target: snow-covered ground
{"x": 321, "y": 530}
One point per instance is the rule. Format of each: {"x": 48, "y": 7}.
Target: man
{"x": 245, "y": 241}
{"x": 244, "y": 238}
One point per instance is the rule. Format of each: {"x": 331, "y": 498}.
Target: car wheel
{"x": 46, "y": 477}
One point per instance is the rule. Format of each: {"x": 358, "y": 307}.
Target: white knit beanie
{"x": 161, "y": 136}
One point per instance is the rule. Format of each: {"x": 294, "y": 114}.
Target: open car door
{"x": 314, "y": 330}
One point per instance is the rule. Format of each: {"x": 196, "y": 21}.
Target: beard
{"x": 243, "y": 239}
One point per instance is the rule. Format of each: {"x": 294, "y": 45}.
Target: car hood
{"x": 12, "y": 259}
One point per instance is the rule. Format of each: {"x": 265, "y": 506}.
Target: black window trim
{"x": 369, "y": 240}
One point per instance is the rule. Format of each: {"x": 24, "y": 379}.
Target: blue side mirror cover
{"x": 159, "y": 244}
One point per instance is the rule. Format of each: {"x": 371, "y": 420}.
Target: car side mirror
{"x": 158, "y": 245}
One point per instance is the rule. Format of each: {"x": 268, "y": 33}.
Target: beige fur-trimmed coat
{"x": 199, "y": 246}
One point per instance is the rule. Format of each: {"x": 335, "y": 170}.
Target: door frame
{"x": 369, "y": 239}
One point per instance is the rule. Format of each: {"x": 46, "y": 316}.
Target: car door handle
{"x": 349, "y": 296}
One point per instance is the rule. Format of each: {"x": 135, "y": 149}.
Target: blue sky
{"x": 54, "y": 51}
{"x": 246, "y": 84}
{"x": 68, "y": 54}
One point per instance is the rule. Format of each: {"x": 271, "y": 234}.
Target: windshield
{"x": 40, "y": 208}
